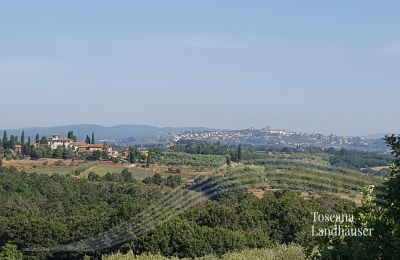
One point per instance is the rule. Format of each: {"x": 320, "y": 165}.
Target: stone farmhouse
{"x": 79, "y": 147}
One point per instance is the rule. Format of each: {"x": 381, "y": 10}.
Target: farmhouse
{"x": 56, "y": 141}
{"x": 78, "y": 147}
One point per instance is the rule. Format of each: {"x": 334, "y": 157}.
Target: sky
{"x": 312, "y": 66}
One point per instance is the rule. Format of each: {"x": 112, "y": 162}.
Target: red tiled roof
{"x": 60, "y": 139}
{"x": 79, "y": 144}
{"x": 95, "y": 146}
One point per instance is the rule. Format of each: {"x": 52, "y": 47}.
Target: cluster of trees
{"x": 135, "y": 156}
{"x": 210, "y": 148}
{"x": 39, "y": 210}
{"x": 200, "y": 147}
{"x": 70, "y": 135}
{"x": 379, "y": 210}
{"x": 217, "y": 227}
{"x": 357, "y": 159}
{"x": 36, "y": 148}
{"x": 11, "y": 143}
{"x": 171, "y": 181}
{"x": 278, "y": 252}
{"x": 89, "y": 140}
{"x": 124, "y": 176}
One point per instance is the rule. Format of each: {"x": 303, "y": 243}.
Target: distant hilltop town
{"x": 273, "y": 138}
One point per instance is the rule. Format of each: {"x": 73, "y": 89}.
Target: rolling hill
{"x": 103, "y": 132}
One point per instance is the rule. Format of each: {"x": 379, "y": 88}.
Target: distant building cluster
{"x": 79, "y": 148}
{"x": 274, "y": 137}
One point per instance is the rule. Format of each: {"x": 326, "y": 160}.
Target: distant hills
{"x": 118, "y": 132}
{"x": 103, "y": 132}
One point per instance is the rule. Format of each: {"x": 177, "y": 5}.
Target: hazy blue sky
{"x": 315, "y": 66}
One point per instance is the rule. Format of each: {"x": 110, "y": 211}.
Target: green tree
{"x": 71, "y": 135}
{"x": 23, "y": 138}
{"x": 37, "y": 138}
{"x": 5, "y": 139}
{"x": 381, "y": 213}
{"x": 13, "y": 142}
{"x": 126, "y": 175}
{"x": 148, "y": 159}
{"x": 58, "y": 152}
{"x": 389, "y": 200}
{"x": 67, "y": 153}
{"x": 92, "y": 141}
{"x": 132, "y": 154}
{"x": 23, "y": 142}
{"x": 228, "y": 160}
{"x": 239, "y": 152}
{"x": 92, "y": 176}
{"x": 28, "y": 147}
{"x": 43, "y": 140}
{"x": 10, "y": 252}
{"x": 87, "y": 140}
{"x": 157, "y": 179}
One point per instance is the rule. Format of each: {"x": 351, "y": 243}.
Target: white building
{"x": 57, "y": 141}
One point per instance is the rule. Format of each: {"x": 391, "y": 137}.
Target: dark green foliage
{"x": 67, "y": 153}
{"x": 133, "y": 154}
{"x": 219, "y": 227}
{"x": 239, "y": 152}
{"x": 96, "y": 155}
{"x": 172, "y": 180}
{"x": 197, "y": 147}
{"x": 41, "y": 210}
{"x": 43, "y": 140}
{"x": 228, "y": 160}
{"x": 148, "y": 160}
{"x": 71, "y": 135}
{"x": 357, "y": 159}
{"x": 92, "y": 141}
{"x": 5, "y": 139}
{"x": 127, "y": 176}
{"x": 124, "y": 176}
{"x": 379, "y": 210}
{"x": 87, "y": 140}
{"x": 10, "y": 252}
{"x": 92, "y": 176}
{"x": 28, "y": 147}
{"x": 41, "y": 151}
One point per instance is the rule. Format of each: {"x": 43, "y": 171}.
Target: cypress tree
{"x": 23, "y": 138}
{"x": 87, "y": 139}
{"x": 5, "y": 139}
{"x": 28, "y": 146}
{"x": 23, "y": 142}
{"x": 37, "y": 138}
{"x": 92, "y": 141}
{"x": 12, "y": 142}
{"x": 239, "y": 153}
{"x": 148, "y": 159}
